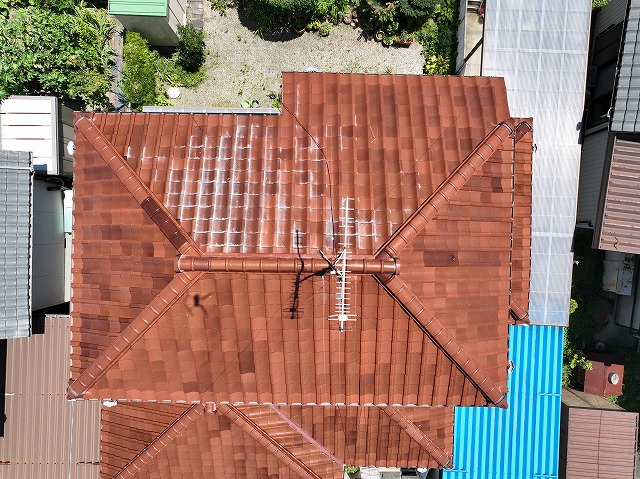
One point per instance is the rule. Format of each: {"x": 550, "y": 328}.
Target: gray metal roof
{"x": 540, "y": 48}
{"x": 626, "y": 107}
{"x": 15, "y": 243}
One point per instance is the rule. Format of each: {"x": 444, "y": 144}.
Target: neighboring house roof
{"x": 192, "y": 231}
{"x": 626, "y": 104}
{"x": 540, "y": 49}
{"x": 15, "y": 236}
{"x": 599, "y": 439}
{"x": 45, "y": 435}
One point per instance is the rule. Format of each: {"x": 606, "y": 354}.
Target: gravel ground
{"x": 241, "y": 65}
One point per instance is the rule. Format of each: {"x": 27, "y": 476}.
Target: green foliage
{"x": 572, "y": 357}
{"x": 438, "y": 40}
{"x": 277, "y": 101}
{"x": 145, "y": 72}
{"x": 171, "y": 73}
{"x": 139, "y": 83}
{"x": 62, "y": 54}
{"x": 599, "y": 3}
{"x": 588, "y": 308}
{"x": 190, "y": 48}
{"x": 416, "y": 11}
{"x": 219, "y": 6}
{"x": 351, "y": 469}
{"x": 325, "y": 29}
{"x": 277, "y": 15}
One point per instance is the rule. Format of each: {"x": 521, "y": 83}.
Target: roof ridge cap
{"x": 443, "y": 339}
{"x": 132, "y": 333}
{"x": 147, "y": 200}
{"x": 265, "y": 439}
{"x": 442, "y": 195}
{"x": 443, "y": 459}
{"x": 175, "y": 429}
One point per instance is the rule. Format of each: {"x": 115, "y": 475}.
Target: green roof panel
{"x": 150, "y": 8}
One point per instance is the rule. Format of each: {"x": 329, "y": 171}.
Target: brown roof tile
{"x": 442, "y": 221}
{"x": 270, "y": 439}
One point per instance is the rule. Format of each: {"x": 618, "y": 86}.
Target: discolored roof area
{"x": 203, "y": 268}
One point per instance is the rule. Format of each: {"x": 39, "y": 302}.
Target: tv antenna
{"x": 340, "y": 268}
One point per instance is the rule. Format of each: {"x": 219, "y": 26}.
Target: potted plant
{"x": 379, "y": 36}
{"x": 403, "y": 39}
{"x": 299, "y": 25}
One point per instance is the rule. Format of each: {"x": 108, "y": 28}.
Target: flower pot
{"x": 255, "y": 104}
{"x": 299, "y": 25}
{"x": 402, "y": 41}
{"x": 245, "y": 103}
{"x": 378, "y": 36}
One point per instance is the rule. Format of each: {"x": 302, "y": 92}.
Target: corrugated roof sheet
{"x": 46, "y": 436}
{"x": 597, "y": 442}
{"x": 540, "y": 48}
{"x": 224, "y": 187}
{"x": 16, "y": 184}
{"x": 520, "y": 442}
{"x": 626, "y": 105}
{"x": 619, "y": 227}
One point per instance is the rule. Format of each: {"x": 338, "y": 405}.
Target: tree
{"x": 62, "y": 54}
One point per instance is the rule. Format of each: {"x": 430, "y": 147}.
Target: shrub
{"x": 139, "y": 75}
{"x": 190, "y": 47}
{"x": 171, "y": 73}
{"x": 325, "y": 29}
{"x": 62, "y": 54}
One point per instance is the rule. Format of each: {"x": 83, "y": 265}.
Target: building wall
{"x": 48, "y": 267}
{"x": 591, "y": 165}
{"x": 156, "y": 30}
{"x": 177, "y": 13}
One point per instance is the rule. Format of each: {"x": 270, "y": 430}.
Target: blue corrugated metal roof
{"x": 520, "y": 442}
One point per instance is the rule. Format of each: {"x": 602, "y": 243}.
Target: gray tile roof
{"x": 15, "y": 240}
{"x": 626, "y": 107}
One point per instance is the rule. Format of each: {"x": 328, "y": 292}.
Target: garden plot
{"x": 242, "y": 66}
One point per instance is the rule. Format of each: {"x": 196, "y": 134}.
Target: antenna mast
{"x": 341, "y": 270}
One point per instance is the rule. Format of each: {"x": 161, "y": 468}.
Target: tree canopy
{"x": 66, "y": 54}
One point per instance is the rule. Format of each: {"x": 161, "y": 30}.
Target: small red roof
{"x": 192, "y": 234}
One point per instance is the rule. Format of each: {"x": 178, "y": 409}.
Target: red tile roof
{"x": 271, "y": 441}
{"x": 185, "y": 253}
